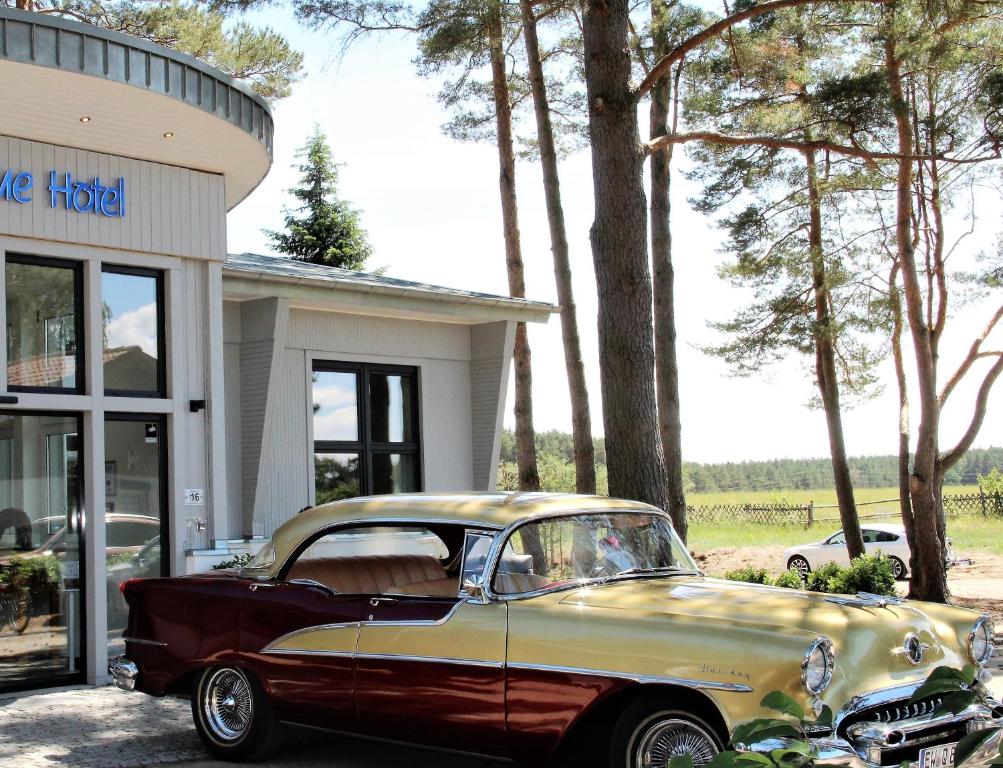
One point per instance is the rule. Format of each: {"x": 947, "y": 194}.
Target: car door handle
{"x": 262, "y": 585}
{"x": 375, "y": 601}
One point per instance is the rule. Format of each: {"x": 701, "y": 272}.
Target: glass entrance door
{"x": 41, "y": 581}
{"x": 136, "y": 510}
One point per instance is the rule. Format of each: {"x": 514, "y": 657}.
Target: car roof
{"x": 477, "y": 510}
{"x": 890, "y": 527}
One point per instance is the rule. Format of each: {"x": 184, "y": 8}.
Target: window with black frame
{"x": 132, "y": 315}
{"x": 365, "y": 430}
{"x": 44, "y": 325}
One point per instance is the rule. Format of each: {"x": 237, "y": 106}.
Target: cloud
{"x": 136, "y": 328}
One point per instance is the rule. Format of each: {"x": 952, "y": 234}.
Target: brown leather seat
{"x": 518, "y": 583}
{"x": 377, "y": 574}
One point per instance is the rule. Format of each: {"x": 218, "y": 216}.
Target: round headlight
{"x": 980, "y": 641}
{"x": 817, "y": 666}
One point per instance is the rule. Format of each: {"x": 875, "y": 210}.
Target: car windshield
{"x": 566, "y": 551}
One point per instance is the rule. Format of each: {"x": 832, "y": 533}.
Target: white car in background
{"x": 889, "y": 538}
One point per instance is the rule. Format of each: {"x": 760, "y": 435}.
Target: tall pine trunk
{"x": 670, "y": 426}
{"x": 826, "y": 373}
{"x": 620, "y": 256}
{"x": 581, "y": 419}
{"x": 905, "y": 502}
{"x": 928, "y": 579}
{"x": 525, "y": 445}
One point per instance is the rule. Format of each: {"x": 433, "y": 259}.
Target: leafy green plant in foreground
{"x": 959, "y": 689}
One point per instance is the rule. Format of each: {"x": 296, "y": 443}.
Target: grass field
{"x": 969, "y": 534}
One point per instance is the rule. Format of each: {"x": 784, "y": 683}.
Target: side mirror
{"x": 475, "y": 589}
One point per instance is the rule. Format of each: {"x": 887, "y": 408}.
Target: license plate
{"x": 941, "y": 756}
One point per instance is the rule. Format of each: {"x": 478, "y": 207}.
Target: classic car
{"x": 549, "y": 625}
{"x": 889, "y": 538}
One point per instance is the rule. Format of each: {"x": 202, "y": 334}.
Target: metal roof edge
{"x": 398, "y": 288}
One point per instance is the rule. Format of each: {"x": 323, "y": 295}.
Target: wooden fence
{"x": 807, "y": 515}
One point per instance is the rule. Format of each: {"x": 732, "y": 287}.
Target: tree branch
{"x": 954, "y": 455}
{"x": 973, "y": 355}
{"x": 662, "y": 66}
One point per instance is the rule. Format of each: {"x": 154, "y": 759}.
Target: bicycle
{"x": 14, "y": 613}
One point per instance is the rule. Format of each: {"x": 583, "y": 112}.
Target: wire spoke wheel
{"x": 664, "y": 739}
{"x": 228, "y": 705}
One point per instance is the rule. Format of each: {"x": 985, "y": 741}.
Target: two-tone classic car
{"x": 528, "y": 626}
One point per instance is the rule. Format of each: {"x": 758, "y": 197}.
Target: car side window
{"x": 887, "y": 536}
{"x": 475, "y": 555}
{"x": 871, "y": 537}
{"x": 836, "y": 538}
{"x": 387, "y": 560}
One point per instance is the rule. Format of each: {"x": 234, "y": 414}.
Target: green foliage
{"x": 992, "y": 482}
{"x": 323, "y": 229}
{"x": 751, "y": 575}
{"x": 260, "y": 56}
{"x": 789, "y": 580}
{"x": 823, "y": 579}
{"x": 237, "y": 561}
{"x": 958, "y": 687}
{"x": 33, "y": 573}
{"x": 869, "y": 573}
{"x": 773, "y": 475}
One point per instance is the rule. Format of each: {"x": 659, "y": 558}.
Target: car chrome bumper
{"x": 867, "y": 747}
{"x": 124, "y": 673}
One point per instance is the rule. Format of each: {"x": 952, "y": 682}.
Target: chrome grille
{"x": 893, "y": 713}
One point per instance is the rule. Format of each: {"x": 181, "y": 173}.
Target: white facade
{"x": 187, "y": 416}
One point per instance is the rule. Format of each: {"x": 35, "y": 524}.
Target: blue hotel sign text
{"x": 67, "y": 193}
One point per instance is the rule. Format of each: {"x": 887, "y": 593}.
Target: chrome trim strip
{"x": 307, "y": 652}
{"x": 643, "y": 679}
{"x": 420, "y": 622}
{"x": 431, "y": 660}
{"x": 360, "y": 656}
{"x": 270, "y": 648}
{"x": 140, "y": 641}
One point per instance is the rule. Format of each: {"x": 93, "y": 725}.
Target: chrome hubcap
{"x": 801, "y": 567}
{"x": 227, "y": 704}
{"x": 665, "y": 739}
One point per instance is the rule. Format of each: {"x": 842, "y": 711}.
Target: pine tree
{"x": 212, "y": 32}
{"x": 324, "y": 229}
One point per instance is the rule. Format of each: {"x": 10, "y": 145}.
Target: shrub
{"x": 868, "y": 573}
{"x": 749, "y": 574}
{"x": 789, "y": 580}
{"x": 825, "y": 579}
{"x": 237, "y": 561}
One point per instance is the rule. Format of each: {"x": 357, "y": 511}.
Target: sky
{"x": 432, "y": 210}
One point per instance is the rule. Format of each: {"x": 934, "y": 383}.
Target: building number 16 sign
{"x": 68, "y": 193}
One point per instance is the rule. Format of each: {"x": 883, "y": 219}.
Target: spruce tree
{"x": 324, "y": 229}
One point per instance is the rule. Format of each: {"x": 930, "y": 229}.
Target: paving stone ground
{"x": 107, "y": 728}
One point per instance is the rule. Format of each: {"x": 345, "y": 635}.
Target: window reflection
{"x": 391, "y": 401}
{"x": 395, "y": 473}
{"x": 336, "y": 406}
{"x": 42, "y": 324}
{"x": 336, "y": 476}
{"x": 40, "y": 545}
{"x": 131, "y": 330}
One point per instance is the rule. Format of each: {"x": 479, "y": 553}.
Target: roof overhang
{"x": 141, "y": 100}
{"x": 417, "y": 303}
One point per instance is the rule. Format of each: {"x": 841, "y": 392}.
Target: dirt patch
{"x": 976, "y": 584}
